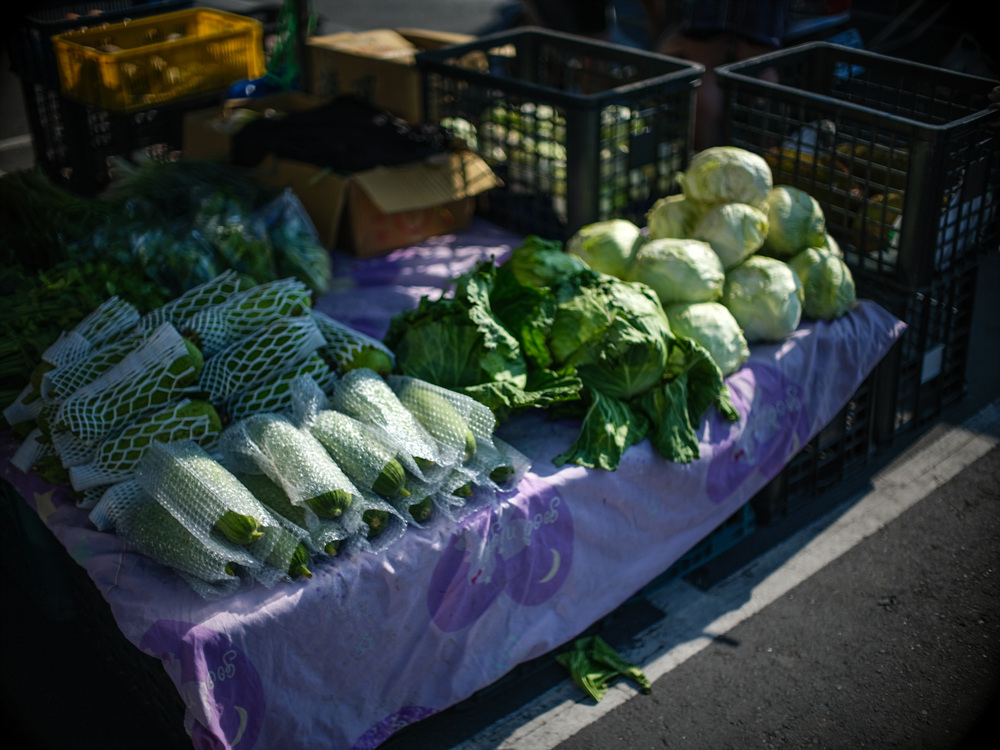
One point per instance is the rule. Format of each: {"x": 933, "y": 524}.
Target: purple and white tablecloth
{"x": 378, "y": 641}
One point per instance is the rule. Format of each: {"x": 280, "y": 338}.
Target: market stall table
{"x": 377, "y": 641}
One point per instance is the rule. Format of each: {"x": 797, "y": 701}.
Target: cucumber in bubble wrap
{"x": 365, "y": 395}
{"x": 200, "y": 492}
{"x": 293, "y": 459}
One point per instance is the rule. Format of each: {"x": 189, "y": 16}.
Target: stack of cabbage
{"x": 733, "y": 258}
{"x": 235, "y": 433}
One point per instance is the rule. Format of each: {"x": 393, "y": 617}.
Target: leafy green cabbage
{"x": 540, "y": 333}
{"x": 727, "y": 174}
{"x": 606, "y": 246}
{"x": 765, "y": 296}
{"x": 679, "y": 270}
{"x": 795, "y": 222}
{"x": 827, "y": 283}
{"x": 734, "y": 230}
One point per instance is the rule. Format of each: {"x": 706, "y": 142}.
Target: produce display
{"x": 632, "y": 330}
{"x": 274, "y": 436}
{"x": 159, "y": 229}
{"x": 238, "y": 436}
{"x": 774, "y": 261}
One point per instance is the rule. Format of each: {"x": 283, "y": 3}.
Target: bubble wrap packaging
{"x": 291, "y": 457}
{"x": 209, "y": 566}
{"x": 370, "y": 458}
{"x": 151, "y": 375}
{"x": 364, "y": 395}
{"x": 204, "y": 496}
{"x": 259, "y": 355}
{"x": 383, "y": 523}
{"x": 320, "y": 536}
{"x": 457, "y": 422}
{"x": 116, "y": 457}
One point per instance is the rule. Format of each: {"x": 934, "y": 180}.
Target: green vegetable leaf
{"x": 594, "y": 666}
{"x": 610, "y": 426}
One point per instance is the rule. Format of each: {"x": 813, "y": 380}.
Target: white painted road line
{"x": 18, "y": 141}
{"x": 696, "y": 617}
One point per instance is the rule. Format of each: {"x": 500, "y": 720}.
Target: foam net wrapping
{"x": 291, "y": 457}
{"x": 344, "y": 344}
{"x": 108, "y": 320}
{"x": 104, "y": 322}
{"x": 216, "y": 327}
{"x": 63, "y": 381}
{"x": 258, "y": 356}
{"x": 276, "y": 394}
{"x": 149, "y": 376}
{"x": 117, "y": 456}
{"x": 180, "y": 308}
{"x": 364, "y": 395}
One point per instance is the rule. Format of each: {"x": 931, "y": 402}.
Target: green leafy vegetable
{"x": 727, "y": 174}
{"x": 537, "y": 332}
{"x": 765, "y": 296}
{"x": 795, "y": 222}
{"x": 606, "y": 246}
{"x": 827, "y": 283}
{"x": 594, "y": 666}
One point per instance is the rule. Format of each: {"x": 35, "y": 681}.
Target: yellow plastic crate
{"x": 148, "y": 62}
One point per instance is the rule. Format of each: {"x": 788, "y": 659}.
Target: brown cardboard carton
{"x": 377, "y": 66}
{"x": 365, "y": 213}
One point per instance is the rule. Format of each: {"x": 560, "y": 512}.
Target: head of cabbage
{"x": 673, "y": 216}
{"x": 714, "y": 327}
{"x": 734, "y": 230}
{"x": 678, "y": 270}
{"x": 827, "y": 283}
{"x": 727, "y": 174}
{"x": 765, "y": 296}
{"x": 795, "y": 221}
{"x": 614, "y": 333}
{"x": 606, "y": 246}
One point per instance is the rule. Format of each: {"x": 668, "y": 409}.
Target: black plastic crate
{"x": 903, "y": 157}
{"x": 32, "y": 58}
{"x": 925, "y": 371}
{"x": 76, "y": 145}
{"x": 840, "y": 451}
{"x": 578, "y": 131}
{"x": 724, "y": 537}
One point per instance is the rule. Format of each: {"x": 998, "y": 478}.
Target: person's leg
{"x": 710, "y": 52}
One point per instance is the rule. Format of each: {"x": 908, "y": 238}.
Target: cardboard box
{"x": 377, "y": 66}
{"x": 365, "y": 213}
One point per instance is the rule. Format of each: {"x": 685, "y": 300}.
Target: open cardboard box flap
{"x": 432, "y": 182}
